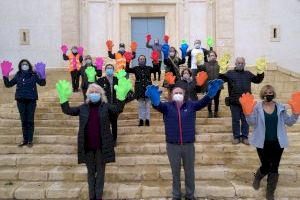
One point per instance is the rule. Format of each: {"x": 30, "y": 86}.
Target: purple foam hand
{"x": 40, "y": 69}
{"x": 80, "y": 50}
{"x": 64, "y": 48}
{"x": 6, "y": 68}
{"x": 99, "y": 63}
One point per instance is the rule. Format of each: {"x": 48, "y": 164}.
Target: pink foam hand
{"x": 6, "y": 68}
{"x": 64, "y": 48}
{"x": 80, "y": 50}
{"x": 99, "y": 63}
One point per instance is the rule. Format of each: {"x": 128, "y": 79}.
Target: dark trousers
{"x": 75, "y": 75}
{"x": 113, "y": 118}
{"x": 270, "y": 157}
{"x": 157, "y": 69}
{"x": 240, "y": 127}
{"x": 27, "y": 110}
{"x": 95, "y": 174}
{"x": 216, "y": 101}
{"x": 84, "y": 93}
{"x": 186, "y": 154}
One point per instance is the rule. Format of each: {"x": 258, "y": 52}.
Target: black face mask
{"x": 269, "y": 98}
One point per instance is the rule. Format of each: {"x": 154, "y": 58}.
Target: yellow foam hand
{"x": 261, "y": 65}
{"x": 199, "y": 58}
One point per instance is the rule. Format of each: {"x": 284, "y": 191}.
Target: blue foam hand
{"x": 184, "y": 47}
{"x": 165, "y": 49}
{"x": 214, "y": 86}
{"x": 153, "y": 93}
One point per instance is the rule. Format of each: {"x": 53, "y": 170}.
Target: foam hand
{"x": 133, "y": 46}
{"x": 223, "y": 62}
{"x": 148, "y": 38}
{"x": 199, "y": 58}
{"x": 80, "y": 50}
{"x": 64, "y": 48}
{"x": 165, "y": 49}
{"x": 166, "y": 38}
{"x": 210, "y": 42}
{"x": 170, "y": 78}
{"x": 6, "y": 68}
{"x": 213, "y": 87}
{"x": 154, "y": 94}
{"x": 261, "y": 65}
{"x": 64, "y": 90}
{"x": 294, "y": 102}
{"x": 128, "y": 56}
{"x": 155, "y": 56}
{"x": 109, "y": 45}
{"x": 121, "y": 74}
{"x": 99, "y": 63}
{"x": 122, "y": 89}
{"x": 91, "y": 74}
{"x": 40, "y": 70}
{"x": 247, "y": 102}
{"x": 201, "y": 78}
{"x": 184, "y": 47}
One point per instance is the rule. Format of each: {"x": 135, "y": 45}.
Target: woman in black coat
{"x": 26, "y": 93}
{"x": 142, "y": 80}
{"x": 95, "y": 141}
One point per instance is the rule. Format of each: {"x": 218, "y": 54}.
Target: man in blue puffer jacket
{"x": 179, "y": 119}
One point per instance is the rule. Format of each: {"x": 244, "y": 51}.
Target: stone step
{"x": 146, "y": 190}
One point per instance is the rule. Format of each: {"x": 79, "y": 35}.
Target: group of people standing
{"x": 105, "y": 97}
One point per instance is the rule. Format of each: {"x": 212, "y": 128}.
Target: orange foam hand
{"x": 201, "y": 78}
{"x": 133, "y": 46}
{"x": 247, "y": 101}
{"x": 109, "y": 45}
{"x": 294, "y": 102}
{"x": 170, "y": 78}
{"x": 166, "y": 38}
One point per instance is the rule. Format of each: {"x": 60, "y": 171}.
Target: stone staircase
{"x": 49, "y": 170}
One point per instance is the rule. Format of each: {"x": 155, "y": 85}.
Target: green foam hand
{"x": 121, "y": 74}
{"x": 122, "y": 89}
{"x": 64, "y": 90}
{"x": 210, "y": 42}
{"x": 91, "y": 74}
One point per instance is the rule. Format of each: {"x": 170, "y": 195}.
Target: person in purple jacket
{"x": 179, "y": 118}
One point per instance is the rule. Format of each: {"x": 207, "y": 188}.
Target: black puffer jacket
{"x": 82, "y": 111}
{"x": 142, "y": 79}
{"x": 191, "y": 88}
{"x": 170, "y": 67}
{"x": 239, "y": 82}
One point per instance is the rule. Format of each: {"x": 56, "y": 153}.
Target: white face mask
{"x": 186, "y": 76}
{"x": 88, "y": 61}
{"x": 172, "y": 54}
{"x": 25, "y": 67}
{"x": 178, "y": 97}
{"x": 197, "y": 46}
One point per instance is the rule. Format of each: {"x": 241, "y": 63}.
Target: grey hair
{"x": 99, "y": 89}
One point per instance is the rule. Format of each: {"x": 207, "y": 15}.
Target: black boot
{"x": 147, "y": 122}
{"x": 141, "y": 122}
{"x": 271, "y": 185}
{"x": 210, "y": 114}
{"x": 22, "y": 144}
{"x": 257, "y": 178}
{"x": 216, "y": 115}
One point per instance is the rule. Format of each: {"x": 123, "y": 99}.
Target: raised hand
{"x": 64, "y": 48}
{"x": 184, "y": 47}
{"x": 121, "y": 74}
{"x": 294, "y": 102}
{"x": 99, "y": 63}
{"x": 155, "y": 56}
{"x": 40, "y": 69}
{"x": 64, "y": 89}
{"x": 133, "y": 46}
{"x": 6, "y": 68}
{"x": 201, "y": 78}
{"x": 154, "y": 94}
{"x": 166, "y": 38}
{"x": 210, "y": 42}
{"x": 213, "y": 87}
{"x": 247, "y": 102}
{"x": 122, "y": 89}
{"x": 199, "y": 58}
{"x": 80, "y": 50}
{"x": 148, "y": 38}
{"x": 91, "y": 74}
{"x": 165, "y": 49}
{"x": 109, "y": 45}
{"x": 261, "y": 65}
{"x": 128, "y": 56}
{"x": 223, "y": 62}
{"x": 170, "y": 78}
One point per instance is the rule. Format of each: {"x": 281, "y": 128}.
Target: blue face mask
{"x": 94, "y": 97}
{"x": 109, "y": 72}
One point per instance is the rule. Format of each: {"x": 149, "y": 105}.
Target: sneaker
{"x": 245, "y": 141}
{"x": 23, "y": 143}
{"x": 29, "y": 144}
{"x": 141, "y": 122}
{"x": 236, "y": 141}
{"x": 147, "y": 122}
{"x": 210, "y": 114}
